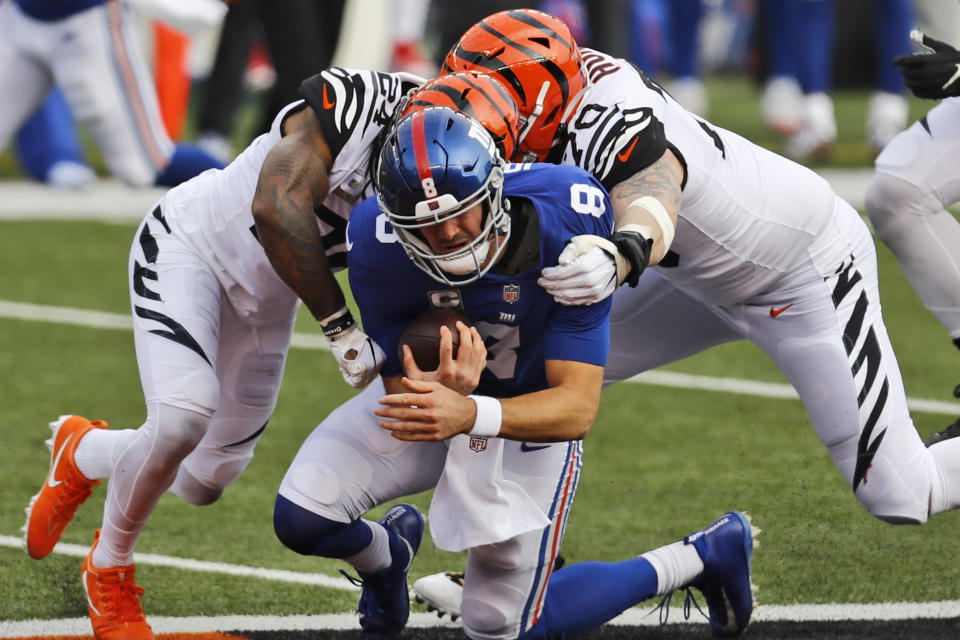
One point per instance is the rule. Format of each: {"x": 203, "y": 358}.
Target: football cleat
{"x": 113, "y": 601}
{"x": 814, "y": 141}
{"x": 782, "y": 105}
{"x": 384, "y": 600}
{"x": 726, "y": 548}
{"x": 441, "y": 592}
{"x": 886, "y": 117}
{"x": 64, "y": 490}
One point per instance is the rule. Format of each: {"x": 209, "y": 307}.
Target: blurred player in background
{"x": 746, "y": 244}
{"x": 88, "y": 49}
{"x": 916, "y": 179}
{"x": 496, "y": 432}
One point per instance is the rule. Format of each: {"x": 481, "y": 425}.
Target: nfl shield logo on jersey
{"x": 478, "y": 443}
{"x": 511, "y": 293}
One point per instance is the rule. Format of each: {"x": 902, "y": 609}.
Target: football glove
{"x": 590, "y": 268}
{"x": 932, "y": 73}
{"x": 358, "y": 356}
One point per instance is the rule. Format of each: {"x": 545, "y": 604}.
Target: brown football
{"x": 423, "y": 336}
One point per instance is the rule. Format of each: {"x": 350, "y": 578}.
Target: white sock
{"x": 98, "y": 449}
{"x": 676, "y": 565}
{"x": 376, "y": 557}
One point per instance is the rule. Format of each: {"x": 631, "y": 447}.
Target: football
{"x": 423, "y": 336}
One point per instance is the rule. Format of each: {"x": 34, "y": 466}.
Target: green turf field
{"x": 660, "y": 462}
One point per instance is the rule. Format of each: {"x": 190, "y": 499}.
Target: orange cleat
{"x": 64, "y": 490}
{"x": 113, "y": 601}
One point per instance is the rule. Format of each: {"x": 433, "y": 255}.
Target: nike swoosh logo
{"x": 52, "y": 481}
{"x": 624, "y": 155}
{"x": 526, "y": 447}
{"x": 326, "y": 101}
{"x": 774, "y": 312}
{"x": 86, "y": 592}
{"x": 956, "y": 74}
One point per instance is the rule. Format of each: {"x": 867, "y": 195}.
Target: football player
{"x": 89, "y": 49}
{"x": 216, "y": 272}
{"x": 497, "y": 429}
{"x": 745, "y": 243}
{"x": 915, "y": 181}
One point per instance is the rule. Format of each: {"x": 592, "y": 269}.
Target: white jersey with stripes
{"x": 212, "y": 212}
{"x": 748, "y": 216}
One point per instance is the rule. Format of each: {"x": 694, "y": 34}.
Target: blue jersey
{"x": 48, "y": 10}
{"x": 522, "y": 325}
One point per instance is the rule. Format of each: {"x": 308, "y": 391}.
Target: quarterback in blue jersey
{"x": 495, "y": 430}
{"x": 524, "y": 325}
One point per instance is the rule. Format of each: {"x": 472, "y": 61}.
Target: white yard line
{"x": 105, "y": 320}
{"x": 153, "y": 559}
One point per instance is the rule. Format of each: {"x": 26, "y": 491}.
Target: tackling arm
{"x": 661, "y": 182}
{"x": 429, "y": 411}
{"x": 292, "y": 182}
{"x": 645, "y": 208}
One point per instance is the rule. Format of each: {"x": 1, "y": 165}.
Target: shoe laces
{"x": 76, "y": 489}
{"x": 121, "y": 600}
{"x": 664, "y": 606}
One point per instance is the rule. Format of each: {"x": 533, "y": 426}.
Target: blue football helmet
{"x": 436, "y": 164}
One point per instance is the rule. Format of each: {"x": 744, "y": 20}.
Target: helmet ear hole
{"x": 543, "y": 42}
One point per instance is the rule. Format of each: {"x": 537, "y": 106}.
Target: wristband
{"x": 489, "y": 416}
{"x": 337, "y": 323}
{"x": 652, "y": 206}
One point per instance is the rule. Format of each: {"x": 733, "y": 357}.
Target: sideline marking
{"x": 348, "y": 621}
{"x": 106, "y": 320}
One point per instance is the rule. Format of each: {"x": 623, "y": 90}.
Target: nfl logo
{"x": 478, "y": 443}
{"x": 511, "y": 293}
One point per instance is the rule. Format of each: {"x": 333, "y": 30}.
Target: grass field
{"x": 660, "y": 462}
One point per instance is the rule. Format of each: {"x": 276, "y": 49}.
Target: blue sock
{"x": 783, "y": 42}
{"x": 583, "y": 596}
{"x": 894, "y": 21}
{"x": 311, "y": 535}
{"x": 646, "y": 44}
{"x": 187, "y": 161}
{"x": 817, "y": 25}
{"x": 48, "y": 137}
{"x": 683, "y": 42}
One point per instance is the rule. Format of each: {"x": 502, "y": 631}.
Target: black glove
{"x": 931, "y": 74}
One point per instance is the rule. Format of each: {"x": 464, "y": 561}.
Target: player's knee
{"x": 484, "y": 620}
{"x": 303, "y": 531}
{"x": 191, "y": 490}
{"x": 892, "y": 202}
{"x": 179, "y": 431}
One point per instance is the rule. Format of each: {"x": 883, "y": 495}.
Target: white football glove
{"x": 359, "y": 357}
{"x": 589, "y": 269}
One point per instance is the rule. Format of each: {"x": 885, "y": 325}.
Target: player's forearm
{"x": 552, "y": 415}
{"x": 656, "y": 216}
{"x": 292, "y": 179}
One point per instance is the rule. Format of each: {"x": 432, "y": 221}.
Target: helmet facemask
{"x": 470, "y": 262}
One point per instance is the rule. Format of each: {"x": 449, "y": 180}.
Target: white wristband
{"x": 489, "y": 416}
{"x": 652, "y": 206}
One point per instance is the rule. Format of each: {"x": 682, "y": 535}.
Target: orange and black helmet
{"x": 477, "y": 95}
{"x": 534, "y": 55}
